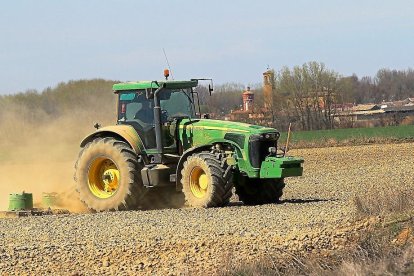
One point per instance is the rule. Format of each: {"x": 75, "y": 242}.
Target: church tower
{"x": 268, "y": 88}
{"x": 248, "y": 100}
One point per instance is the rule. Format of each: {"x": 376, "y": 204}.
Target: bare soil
{"x": 317, "y": 214}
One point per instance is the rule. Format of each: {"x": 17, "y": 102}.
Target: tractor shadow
{"x": 291, "y": 201}
{"x": 235, "y": 203}
{"x": 309, "y": 200}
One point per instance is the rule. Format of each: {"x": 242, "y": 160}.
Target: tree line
{"x": 311, "y": 94}
{"x": 306, "y": 95}
{"x": 72, "y": 106}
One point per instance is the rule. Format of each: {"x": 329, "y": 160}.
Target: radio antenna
{"x": 168, "y": 64}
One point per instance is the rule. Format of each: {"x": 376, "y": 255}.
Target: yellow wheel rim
{"x": 103, "y": 178}
{"x": 198, "y": 182}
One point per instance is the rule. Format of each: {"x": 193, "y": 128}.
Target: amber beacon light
{"x": 166, "y": 73}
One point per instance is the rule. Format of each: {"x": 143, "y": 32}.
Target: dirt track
{"x": 316, "y": 211}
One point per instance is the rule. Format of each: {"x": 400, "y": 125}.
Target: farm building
{"x": 389, "y": 113}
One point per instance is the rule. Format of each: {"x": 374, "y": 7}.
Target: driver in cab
{"x": 145, "y": 114}
{"x": 145, "y": 118}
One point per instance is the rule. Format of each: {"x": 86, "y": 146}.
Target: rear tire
{"x": 253, "y": 191}
{"x": 108, "y": 176}
{"x": 206, "y": 181}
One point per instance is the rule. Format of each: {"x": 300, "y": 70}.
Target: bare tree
{"x": 312, "y": 91}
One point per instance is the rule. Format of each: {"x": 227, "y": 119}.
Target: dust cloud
{"x": 38, "y": 153}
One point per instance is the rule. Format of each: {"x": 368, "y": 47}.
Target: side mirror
{"x": 210, "y": 89}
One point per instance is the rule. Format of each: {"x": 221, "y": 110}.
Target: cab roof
{"x": 169, "y": 84}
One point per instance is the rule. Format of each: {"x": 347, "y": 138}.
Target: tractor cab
{"x": 137, "y": 110}
{"x": 151, "y": 106}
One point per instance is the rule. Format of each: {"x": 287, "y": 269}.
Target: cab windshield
{"x": 177, "y": 103}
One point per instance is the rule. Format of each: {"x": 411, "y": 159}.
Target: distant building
{"x": 248, "y": 100}
{"x": 365, "y": 107}
{"x": 386, "y": 113}
{"x": 268, "y": 88}
{"x": 247, "y": 107}
{"x": 248, "y": 112}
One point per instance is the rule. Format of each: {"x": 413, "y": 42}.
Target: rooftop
{"x": 406, "y": 108}
{"x": 365, "y": 107}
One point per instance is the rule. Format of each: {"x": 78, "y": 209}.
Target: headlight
{"x": 266, "y": 136}
{"x": 270, "y": 136}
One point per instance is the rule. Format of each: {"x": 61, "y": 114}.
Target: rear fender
{"x": 123, "y": 132}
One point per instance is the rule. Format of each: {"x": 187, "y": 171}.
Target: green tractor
{"x": 161, "y": 145}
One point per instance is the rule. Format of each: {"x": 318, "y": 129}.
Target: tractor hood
{"x": 201, "y": 132}
{"x": 228, "y": 126}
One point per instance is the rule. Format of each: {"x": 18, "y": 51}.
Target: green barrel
{"x": 50, "y": 200}
{"x": 18, "y": 202}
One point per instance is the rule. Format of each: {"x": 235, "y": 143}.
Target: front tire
{"x": 107, "y": 176}
{"x": 206, "y": 181}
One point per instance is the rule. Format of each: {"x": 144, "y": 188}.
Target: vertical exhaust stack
{"x": 157, "y": 123}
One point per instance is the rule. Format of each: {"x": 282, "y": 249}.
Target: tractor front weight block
{"x": 279, "y": 167}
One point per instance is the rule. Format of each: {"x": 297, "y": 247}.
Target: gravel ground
{"x": 317, "y": 214}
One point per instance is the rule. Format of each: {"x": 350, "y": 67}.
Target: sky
{"x": 45, "y": 42}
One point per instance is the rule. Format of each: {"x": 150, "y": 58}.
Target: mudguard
{"x": 124, "y": 132}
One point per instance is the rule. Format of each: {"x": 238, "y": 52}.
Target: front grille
{"x": 259, "y": 148}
